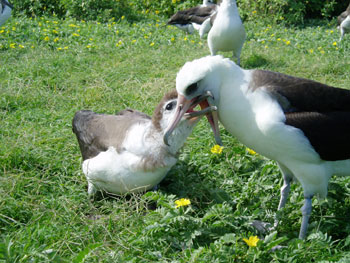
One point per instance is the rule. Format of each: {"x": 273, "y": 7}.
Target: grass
{"x": 51, "y": 68}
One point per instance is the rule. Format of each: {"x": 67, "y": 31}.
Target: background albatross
{"x": 191, "y": 19}
{"x": 125, "y": 153}
{"x": 227, "y": 32}
{"x": 302, "y": 124}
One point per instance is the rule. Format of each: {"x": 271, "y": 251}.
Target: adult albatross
{"x": 5, "y": 11}
{"x": 301, "y": 124}
{"x": 227, "y": 32}
{"x": 344, "y": 22}
{"x": 125, "y": 153}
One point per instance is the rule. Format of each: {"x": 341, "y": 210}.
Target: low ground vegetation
{"x": 50, "y": 68}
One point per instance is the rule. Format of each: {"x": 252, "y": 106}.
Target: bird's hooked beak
{"x": 185, "y": 108}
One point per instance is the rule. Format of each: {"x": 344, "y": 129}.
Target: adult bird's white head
{"x": 200, "y": 80}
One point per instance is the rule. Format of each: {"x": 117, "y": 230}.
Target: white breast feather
{"x": 121, "y": 172}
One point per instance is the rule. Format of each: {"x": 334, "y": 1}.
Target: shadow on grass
{"x": 256, "y": 61}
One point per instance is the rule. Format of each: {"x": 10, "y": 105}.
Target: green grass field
{"x": 50, "y": 68}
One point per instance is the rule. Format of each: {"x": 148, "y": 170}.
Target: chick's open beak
{"x": 184, "y": 108}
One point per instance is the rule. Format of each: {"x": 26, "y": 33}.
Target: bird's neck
{"x": 155, "y": 146}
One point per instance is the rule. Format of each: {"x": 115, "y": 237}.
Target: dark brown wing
{"x": 328, "y": 133}
{"x": 196, "y": 15}
{"x": 96, "y": 132}
{"x": 301, "y": 95}
{"x": 341, "y": 17}
{"x": 322, "y": 112}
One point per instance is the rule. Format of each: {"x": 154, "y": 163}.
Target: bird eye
{"x": 170, "y": 105}
{"x": 191, "y": 89}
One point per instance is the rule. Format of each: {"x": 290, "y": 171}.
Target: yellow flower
{"x": 55, "y": 31}
{"x": 56, "y": 39}
{"x": 157, "y": 12}
{"x": 311, "y": 50}
{"x": 254, "y": 12}
{"x": 133, "y": 41}
{"x": 65, "y": 48}
{"x": 20, "y": 46}
{"x": 185, "y": 38}
{"x": 182, "y": 202}
{"x": 46, "y": 38}
{"x": 75, "y": 35}
{"x": 172, "y": 39}
{"x": 88, "y": 46}
{"x": 250, "y": 151}
{"x": 252, "y": 241}
{"x": 173, "y": 1}
{"x": 217, "y": 149}
{"x": 152, "y": 44}
{"x": 12, "y": 45}
{"x": 122, "y": 18}
{"x": 288, "y": 42}
{"x": 334, "y": 43}
{"x": 2, "y": 31}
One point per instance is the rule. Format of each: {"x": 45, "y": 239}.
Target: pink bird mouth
{"x": 186, "y": 108}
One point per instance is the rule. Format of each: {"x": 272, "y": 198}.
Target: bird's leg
{"x": 263, "y": 227}
{"x": 155, "y": 188}
{"x": 341, "y": 33}
{"x": 239, "y": 61}
{"x": 236, "y": 56}
{"x": 306, "y": 212}
{"x": 285, "y": 189}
